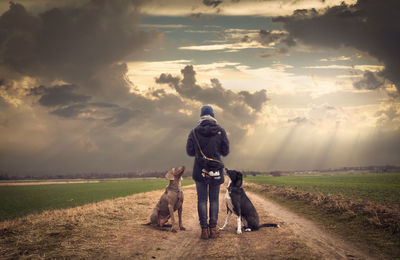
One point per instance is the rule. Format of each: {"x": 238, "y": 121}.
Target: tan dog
{"x": 170, "y": 201}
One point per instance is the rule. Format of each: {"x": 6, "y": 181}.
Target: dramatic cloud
{"x": 369, "y": 81}
{"x": 369, "y": 26}
{"x": 58, "y": 95}
{"x": 74, "y": 44}
{"x": 282, "y": 40}
{"x": 237, "y": 104}
{"x": 65, "y": 103}
{"x": 271, "y": 37}
{"x": 255, "y": 100}
{"x": 213, "y": 3}
{"x": 82, "y": 45}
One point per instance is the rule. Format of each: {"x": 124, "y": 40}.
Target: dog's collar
{"x": 174, "y": 190}
{"x": 230, "y": 189}
{"x": 178, "y": 192}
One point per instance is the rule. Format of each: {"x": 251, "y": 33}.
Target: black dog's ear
{"x": 239, "y": 179}
{"x": 225, "y": 171}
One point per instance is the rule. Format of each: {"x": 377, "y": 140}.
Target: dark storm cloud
{"x": 246, "y": 38}
{"x": 112, "y": 114}
{"x": 213, "y": 3}
{"x": 235, "y": 103}
{"x": 58, "y": 95}
{"x": 71, "y": 43}
{"x": 267, "y": 37}
{"x": 102, "y": 104}
{"x": 65, "y": 103}
{"x": 167, "y": 79}
{"x": 282, "y": 40}
{"x": 84, "y": 45}
{"x": 122, "y": 116}
{"x": 369, "y": 26}
{"x": 236, "y": 111}
{"x": 370, "y": 81}
{"x": 71, "y": 111}
{"x": 255, "y": 100}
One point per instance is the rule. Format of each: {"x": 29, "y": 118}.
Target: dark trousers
{"x": 206, "y": 190}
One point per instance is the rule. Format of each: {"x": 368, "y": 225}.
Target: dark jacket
{"x": 214, "y": 143}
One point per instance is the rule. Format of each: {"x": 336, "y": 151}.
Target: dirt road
{"x": 113, "y": 229}
{"x": 148, "y": 243}
{"x": 321, "y": 241}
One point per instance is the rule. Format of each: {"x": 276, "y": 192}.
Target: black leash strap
{"x": 198, "y": 144}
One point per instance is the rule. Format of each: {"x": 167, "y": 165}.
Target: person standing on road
{"x": 213, "y": 143}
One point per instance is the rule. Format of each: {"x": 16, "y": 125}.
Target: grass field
{"x": 382, "y": 188}
{"x": 363, "y": 208}
{"x": 17, "y": 201}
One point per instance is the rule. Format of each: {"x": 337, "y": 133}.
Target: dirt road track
{"x": 297, "y": 238}
{"x": 328, "y": 245}
{"x": 113, "y": 230}
{"x": 267, "y": 243}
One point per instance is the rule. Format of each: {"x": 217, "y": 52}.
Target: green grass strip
{"x": 382, "y": 188}
{"x": 17, "y": 201}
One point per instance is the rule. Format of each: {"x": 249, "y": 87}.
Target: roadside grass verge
{"x": 80, "y": 232}
{"x": 381, "y": 188}
{"x": 373, "y": 226}
{"x": 18, "y": 201}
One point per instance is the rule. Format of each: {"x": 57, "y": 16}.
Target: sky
{"x": 116, "y": 86}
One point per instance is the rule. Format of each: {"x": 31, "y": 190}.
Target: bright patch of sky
{"x": 229, "y": 48}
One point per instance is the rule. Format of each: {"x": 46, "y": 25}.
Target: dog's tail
{"x": 269, "y": 225}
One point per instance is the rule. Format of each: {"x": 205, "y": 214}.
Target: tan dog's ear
{"x": 170, "y": 174}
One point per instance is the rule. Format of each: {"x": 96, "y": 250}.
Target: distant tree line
{"x": 160, "y": 174}
{"x": 92, "y": 175}
{"x": 372, "y": 168}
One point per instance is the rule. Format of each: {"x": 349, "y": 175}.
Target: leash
{"x": 204, "y": 174}
{"x": 198, "y": 144}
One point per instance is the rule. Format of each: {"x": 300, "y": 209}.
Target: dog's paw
{"x": 239, "y": 231}
{"x": 247, "y": 230}
{"x": 174, "y": 228}
{"x": 182, "y": 228}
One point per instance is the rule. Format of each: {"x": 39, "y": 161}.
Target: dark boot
{"x": 204, "y": 233}
{"x": 214, "y": 232}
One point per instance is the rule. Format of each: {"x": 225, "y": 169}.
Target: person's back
{"x": 214, "y": 143}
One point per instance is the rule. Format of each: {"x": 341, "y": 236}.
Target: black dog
{"x": 237, "y": 201}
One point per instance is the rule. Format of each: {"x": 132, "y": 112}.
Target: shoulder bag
{"x": 209, "y": 164}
